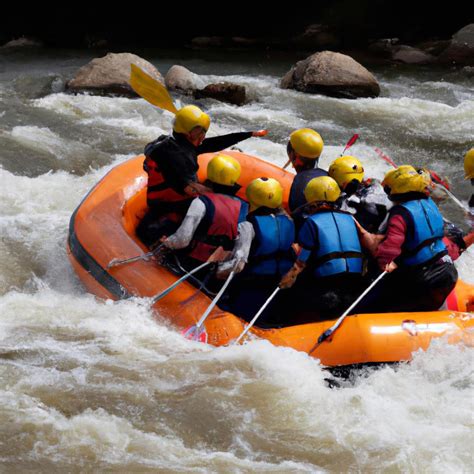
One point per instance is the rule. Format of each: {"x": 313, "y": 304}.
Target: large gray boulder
{"x": 332, "y": 74}
{"x": 461, "y": 49}
{"x": 110, "y": 75}
{"x": 180, "y": 79}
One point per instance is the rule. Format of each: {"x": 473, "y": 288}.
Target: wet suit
{"x": 297, "y": 201}
{"x": 172, "y": 163}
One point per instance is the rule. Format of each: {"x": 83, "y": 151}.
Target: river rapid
{"x": 88, "y": 385}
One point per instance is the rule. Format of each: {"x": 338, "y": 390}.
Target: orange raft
{"x": 102, "y": 228}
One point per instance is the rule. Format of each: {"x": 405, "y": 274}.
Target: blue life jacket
{"x": 338, "y": 247}
{"x": 425, "y": 230}
{"x": 271, "y": 252}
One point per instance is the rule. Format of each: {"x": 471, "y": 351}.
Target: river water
{"x": 87, "y": 385}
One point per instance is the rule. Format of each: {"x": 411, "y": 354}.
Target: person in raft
{"x": 421, "y": 273}
{"x": 214, "y": 219}
{"x": 304, "y": 149}
{"x": 269, "y": 248}
{"x": 364, "y": 199}
{"x": 331, "y": 256}
{"x": 171, "y": 164}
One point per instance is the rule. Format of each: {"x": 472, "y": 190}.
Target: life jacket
{"x": 425, "y": 231}
{"x": 158, "y": 190}
{"x": 219, "y": 225}
{"x": 338, "y": 250}
{"x": 271, "y": 252}
{"x": 297, "y": 199}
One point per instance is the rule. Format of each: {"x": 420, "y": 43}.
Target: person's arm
{"x": 391, "y": 247}
{"x": 225, "y": 141}
{"x": 307, "y": 240}
{"x": 240, "y": 252}
{"x": 368, "y": 241}
{"x": 183, "y": 236}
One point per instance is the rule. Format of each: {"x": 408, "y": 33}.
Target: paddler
{"x": 365, "y": 199}
{"x": 331, "y": 255}
{"x": 171, "y": 164}
{"x": 422, "y": 274}
{"x": 214, "y": 219}
{"x": 270, "y": 255}
{"x": 304, "y": 149}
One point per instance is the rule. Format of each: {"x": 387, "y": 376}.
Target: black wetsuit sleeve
{"x": 222, "y": 142}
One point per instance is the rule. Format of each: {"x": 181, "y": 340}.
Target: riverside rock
{"x": 181, "y": 79}
{"x": 461, "y": 49}
{"x": 110, "y": 75}
{"x": 223, "y": 91}
{"x": 332, "y": 74}
{"x": 409, "y": 55}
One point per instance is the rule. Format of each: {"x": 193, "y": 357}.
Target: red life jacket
{"x": 218, "y": 227}
{"x": 158, "y": 190}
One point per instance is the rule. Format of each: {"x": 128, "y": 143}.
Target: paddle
{"x": 115, "y": 262}
{"x": 151, "y": 90}
{"x": 198, "y": 331}
{"x": 178, "y": 282}
{"x": 329, "y": 332}
{"x": 351, "y": 142}
{"x": 218, "y": 255}
{"x": 260, "y": 311}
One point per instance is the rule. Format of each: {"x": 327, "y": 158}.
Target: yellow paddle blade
{"x": 150, "y": 89}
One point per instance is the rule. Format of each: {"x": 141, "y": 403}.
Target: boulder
{"x": 110, "y": 75}
{"x": 434, "y": 47}
{"x": 181, "y": 79}
{"x": 409, "y": 55}
{"x": 223, "y": 91}
{"x": 461, "y": 49}
{"x": 332, "y": 74}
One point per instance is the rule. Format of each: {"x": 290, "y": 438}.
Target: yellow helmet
{"x": 425, "y": 174}
{"x": 404, "y": 179}
{"x": 469, "y": 164}
{"x": 323, "y": 188}
{"x": 223, "y": 169}
{"x": 346, "y": 169}
{"x": 307, "y": 143}
{"x": 264, "y": 192}
{"x": 189, "y": 117}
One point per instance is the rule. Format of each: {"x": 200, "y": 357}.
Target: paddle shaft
{"x": 116, "y": 263}
{"x": 260, "y": 311}
{"x": 177, "y": 282}
{"x": 215, "y": 300}
{"x": 326, "y": 334}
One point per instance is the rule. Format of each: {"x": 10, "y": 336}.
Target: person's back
{"x": 171, "y": 163}
{"x": 331, "y": 259}
{"x": 421, "y": 272}
{"x": 213, "y": 219}
{"x": 304, "y": 149}
{"x": 296, "y": 200}
{"x": 270, "y": 255}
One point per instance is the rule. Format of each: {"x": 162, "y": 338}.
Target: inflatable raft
{"x": 102, "y": 228}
